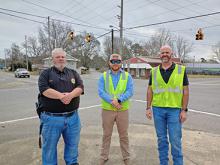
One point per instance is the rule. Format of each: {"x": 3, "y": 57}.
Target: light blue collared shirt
{"x": 115, "y": 78}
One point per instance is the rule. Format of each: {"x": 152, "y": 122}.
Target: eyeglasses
{"x": 115, "y": 61}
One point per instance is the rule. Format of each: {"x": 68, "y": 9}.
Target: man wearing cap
{"x": 115, "y": 87}
{"x": 168, "y": 96}
{"x": 60, "y": 88}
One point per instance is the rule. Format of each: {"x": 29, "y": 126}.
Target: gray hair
{"x": 166, "y": 46}
{"x": 57, "y": 51}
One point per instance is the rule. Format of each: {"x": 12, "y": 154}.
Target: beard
{"x": 165, "y": 59}
{"x": 115, "y": 69}
{"x": 60, "y": 66}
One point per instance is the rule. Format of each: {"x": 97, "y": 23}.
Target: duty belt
{"x": 65, "y": 114}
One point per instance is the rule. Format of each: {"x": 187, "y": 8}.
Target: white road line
{"x": 191, "y": 110}
{"x": 202, "y": 84}
{"x": 207, "y": 113}
{"x": 34, "y": 117}
{"x": 16, "y": 120}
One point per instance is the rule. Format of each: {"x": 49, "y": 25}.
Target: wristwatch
{"x": 186, "y": 110}
{"x": 148, "y": 108}
{"x": 119, "y": 101}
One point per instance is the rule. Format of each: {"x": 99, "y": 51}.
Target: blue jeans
{"x": 168, "y": 120}
{"x": 52, "y": 129}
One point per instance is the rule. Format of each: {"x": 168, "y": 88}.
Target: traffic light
{"x": 71, "y": 35}
{"x": 88, "y": 38}
{"x": 199, "y": 35}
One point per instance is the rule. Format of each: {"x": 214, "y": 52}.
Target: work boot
{"x": 126, "y": 161}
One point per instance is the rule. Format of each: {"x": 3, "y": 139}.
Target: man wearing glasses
{"x": 115, "y": 87}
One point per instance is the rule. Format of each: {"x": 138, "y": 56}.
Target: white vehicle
{"x": 22, "y": 72}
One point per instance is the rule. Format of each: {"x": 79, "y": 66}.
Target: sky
{"x": 100, "y": 14}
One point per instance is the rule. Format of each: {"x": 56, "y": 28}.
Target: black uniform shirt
{"x": 64, "y": 81}
{"x": 167, "y": 73}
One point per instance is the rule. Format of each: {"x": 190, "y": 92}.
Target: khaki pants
{"x": 108, "y": 120}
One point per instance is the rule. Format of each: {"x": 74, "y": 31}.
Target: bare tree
{"x": 127, "y": 53}
{"x": 163, "y": 37}
{"x": 182, "y": 47}
{"x": 216, "y": 50}
{"x": 84, "y": 51}
{"x": 15, "y": 55}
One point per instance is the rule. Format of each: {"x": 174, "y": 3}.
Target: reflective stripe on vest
{"x": 170, "y": 94}
{"x": 115, "y": 93}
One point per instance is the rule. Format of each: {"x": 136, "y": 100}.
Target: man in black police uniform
{"x": 60, "y": 88}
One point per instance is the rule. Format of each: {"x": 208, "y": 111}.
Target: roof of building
{"x": 150, "y": 60}
{"x": 138, "y": 65}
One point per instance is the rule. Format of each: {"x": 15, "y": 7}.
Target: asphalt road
{"x": 18, "y": 120}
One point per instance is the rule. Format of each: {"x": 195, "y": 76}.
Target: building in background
{"x": 139, "y": 67}
{"x": 203, "y": 68}
{"x": 71, "y": 62}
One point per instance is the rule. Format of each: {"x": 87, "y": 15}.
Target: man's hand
{"x": 116, "y": 104}
{"x": 67, "y": 97}
{"x": 183, "y": 116}
{"x": 149, "y": 113}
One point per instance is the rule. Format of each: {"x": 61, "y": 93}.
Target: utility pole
{"x": 5, "y": 61}
{"x": 112, "y": 41}
{"x": 48, "y": 22}
{"x": 121, "y": 29}
{"x": 55, "y": 36}
{"x": 26, "y": 52}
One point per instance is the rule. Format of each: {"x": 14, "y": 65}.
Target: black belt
{"x": 65, "y": 114}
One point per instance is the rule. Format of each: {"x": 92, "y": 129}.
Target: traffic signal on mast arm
{"x": 88, "y": 38}
{"x": 71, "y": 35}
{"x": 199, "y": 35}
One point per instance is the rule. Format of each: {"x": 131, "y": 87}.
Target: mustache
{"x": 165, "y": 56}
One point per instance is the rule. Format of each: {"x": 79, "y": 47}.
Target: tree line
{"x": 94, "y": 53}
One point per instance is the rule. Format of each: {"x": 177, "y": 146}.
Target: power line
{"x": 80, "y": 3}
{"x": 173, "y": 10}
{"x": 29, "y": 14}
{"x": 55, "y": 11}
{"x": 103, "y": 35}
{"x": 190, "y": 29}
{"x": 101, "y": 5}
{"x": 177, "y": 4}
{"x": 176, "y": 20}
{"x": 79, "y": 24}
{"x": 12, "y": 15}
{"x": 19, "y": 12}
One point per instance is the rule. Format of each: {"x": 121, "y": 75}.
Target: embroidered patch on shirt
{"x": 73, "y": 80}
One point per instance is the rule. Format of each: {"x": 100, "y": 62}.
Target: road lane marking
{"x": 16, "y": 120}
{"x": 34, "y": 117}
{"x": 202, "y": 84}
{"x": 191, "y": 110}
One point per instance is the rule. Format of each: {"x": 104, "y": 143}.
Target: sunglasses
{"x": 115, "y": 61}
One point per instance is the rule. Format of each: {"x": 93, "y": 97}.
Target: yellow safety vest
{"x": 115, "y": 93}
{"x": 168, "y": 94}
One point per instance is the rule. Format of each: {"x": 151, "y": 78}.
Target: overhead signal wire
{"x": 171, "y": 21}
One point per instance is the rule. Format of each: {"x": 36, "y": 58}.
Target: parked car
{"x": 22, "y": 72}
